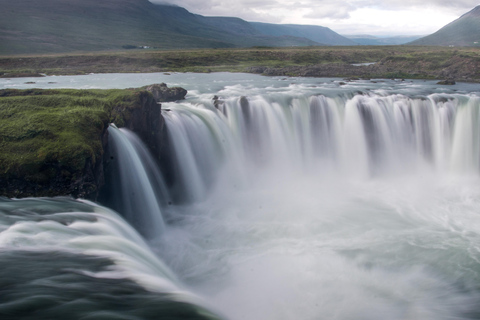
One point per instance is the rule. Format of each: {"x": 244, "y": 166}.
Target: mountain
{"x": 465, "y": 31}
{"x": 34, "y": 26}
{"x": 315, "y": 33}
{"x": 234, "y": 28}
{"x": 368, "y": 40}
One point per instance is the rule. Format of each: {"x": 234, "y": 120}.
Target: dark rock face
{"x": 52, "y": 180}
{"x": 162, "y": 93}
{"x": 145, "y": 119}
{"x": 217, "y": 102}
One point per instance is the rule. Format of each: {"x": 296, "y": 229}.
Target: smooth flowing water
{"x": 291, "y": 198}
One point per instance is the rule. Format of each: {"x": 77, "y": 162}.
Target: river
{"x": 289, "y": 198}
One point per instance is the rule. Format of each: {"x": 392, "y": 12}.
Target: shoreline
{"x": 379, "y": 62}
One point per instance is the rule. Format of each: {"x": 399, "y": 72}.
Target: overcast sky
{"x": 375, "y": 17}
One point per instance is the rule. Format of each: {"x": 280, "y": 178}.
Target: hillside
{"x": 315, "y": 33}
{"x": 55, "y": 26}
{"x": 31, "y": 26}
{"x": 465, "y": 31}
{"x": 368, "y": 40}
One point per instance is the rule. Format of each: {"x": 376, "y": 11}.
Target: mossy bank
{"x": 53, "y": 141}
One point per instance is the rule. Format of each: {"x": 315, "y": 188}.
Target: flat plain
{"x": 414, "y": 62}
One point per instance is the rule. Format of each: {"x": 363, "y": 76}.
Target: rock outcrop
{"x": 66, "y": 153}
{"x": 143, "y": 117}
{"x": 162, "y": 93}
{"x": 54, "y": 180}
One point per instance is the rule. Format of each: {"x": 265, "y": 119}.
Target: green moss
{"x": 44, "y": 133}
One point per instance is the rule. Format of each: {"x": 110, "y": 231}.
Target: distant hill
{"x": 315, "y": 33}
{"x": 465, "y": 31}
{"x": 32, "y": 26}
{"x": 368, "y": 40}
{"x": 53, "y": 26}
{"x": 236, "y": 29}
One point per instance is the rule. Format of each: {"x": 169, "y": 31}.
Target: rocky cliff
{"x": 54, "y": 141}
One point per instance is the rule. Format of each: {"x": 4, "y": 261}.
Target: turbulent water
{"x": 289, "y": 198}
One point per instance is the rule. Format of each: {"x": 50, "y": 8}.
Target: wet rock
{"x": 162, "y": 93}
{"x": 448, "y": 82}
{"x": 145, "y": 119}
{"x": 217, "y": 102}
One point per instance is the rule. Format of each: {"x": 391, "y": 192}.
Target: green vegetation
{"x": 405, "y": 61}
{"x": 236, "y": 60}
{"x": 50, "y": 134}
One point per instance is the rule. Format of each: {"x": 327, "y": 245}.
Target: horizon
{"x": 357, "y": 17}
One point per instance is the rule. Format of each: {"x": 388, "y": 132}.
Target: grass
{"x": 46, "y": 133}
{"x": 411, "y": 61}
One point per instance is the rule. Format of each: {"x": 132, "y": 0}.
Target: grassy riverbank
{"x": 390, "y": 61}
{"x": 52, "y": 140}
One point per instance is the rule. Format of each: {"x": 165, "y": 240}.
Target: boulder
{"x": 162, "y": 93}
{"x": 448, "y": 82}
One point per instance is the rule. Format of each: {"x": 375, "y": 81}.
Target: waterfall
{"x": 136, "y": 186}
{"x": 284, "y": 198}
{"x": 68, "y": 259}
{"x": 365, "y": 135}
{"x": 351, "y": 206}
{"x": 203, "y": 148}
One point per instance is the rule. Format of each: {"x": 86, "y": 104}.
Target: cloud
{"x": 331, "y": 10}
{"x": 251, "y": 10}
{"x": 229, "y": 7}
{"x": 369, "y": 16}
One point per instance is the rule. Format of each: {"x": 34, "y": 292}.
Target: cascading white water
{"x": 67, "y": 259}
{"x": 202, "y": 145}
{"x": 138, "y": 185}
{"x": 358, "y": 206}
{"x": 295, "y": 199}
{"x": 366, "y": 135}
